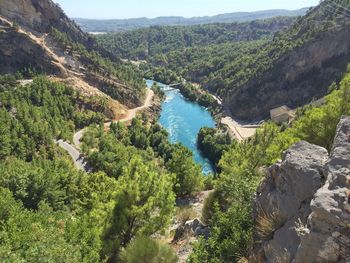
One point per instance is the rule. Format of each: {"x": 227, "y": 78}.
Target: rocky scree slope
{"x": 16, "y": 56}
{"x": 27, "y": 40}
{"x": 302, "y": 208}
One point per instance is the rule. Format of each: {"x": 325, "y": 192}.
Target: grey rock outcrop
{"x": 197, "y": 228}
{"x": 18, "y": 51}
{"x": 41, "y": 15}
{"x": 192, "y": 227}
{"x": 302, "y": 209}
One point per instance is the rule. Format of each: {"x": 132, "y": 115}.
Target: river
{"x": 183, "y": 119}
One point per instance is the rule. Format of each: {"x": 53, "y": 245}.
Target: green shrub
{"x": 147, "y": 250}
{"x": 189, "y": 178}
{"x": 208, "y": 208}
{"x": 209, "y": 182}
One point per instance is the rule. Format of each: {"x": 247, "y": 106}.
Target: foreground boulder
{"x": 302, "y": 208}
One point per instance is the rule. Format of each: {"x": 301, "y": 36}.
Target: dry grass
{"x": 267, "y": 224}
{"x": 243, "y": 260}
{"x": 185, "y": 214}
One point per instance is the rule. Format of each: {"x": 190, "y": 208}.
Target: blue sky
{"x": 105, "y": 9}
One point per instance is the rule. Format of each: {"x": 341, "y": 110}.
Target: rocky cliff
{"x": 14, "y": 56}
{"x": 302, "y": 208}
{"x": 37, "y": 35}
{"x": 296, "y": 78}
{"x": 40, "y": 15}
{"x": 299, "y": 65}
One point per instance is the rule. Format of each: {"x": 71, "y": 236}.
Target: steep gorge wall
{"x": 40, "y": 15}
{"x": 26, "y": 55}
{"x": 297, "y": 78}
{"x": 302, "y": 208}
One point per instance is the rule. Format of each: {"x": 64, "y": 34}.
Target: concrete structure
{"x": 282, "y": 114}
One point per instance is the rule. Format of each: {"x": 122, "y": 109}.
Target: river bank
{"x": 183, "y": 120}
{"x": 224, "y": 120}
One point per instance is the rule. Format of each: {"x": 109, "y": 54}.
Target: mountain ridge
{"x": 291, "y": 67}
{"x": 142, "y": 43}
{"x": 117, "y": 25}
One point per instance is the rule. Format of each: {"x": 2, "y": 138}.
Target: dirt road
{"x": 133, "y": 112}
{"x": 128, "y": 117}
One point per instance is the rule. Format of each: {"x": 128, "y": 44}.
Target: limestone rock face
{"x": 15, "y": 56}
{"x": 327, "y": 234}
{"x": 301, "y": 210}
{"x": 40, "y": 15}
{"x": 25, "y": 26}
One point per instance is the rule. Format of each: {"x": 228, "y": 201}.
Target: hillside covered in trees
{"x": 49, "y": 207}
{"x": 257, "y": 69}
{"x": 158, "y": 41}
{"x": 133, "y": 203}
{"x": 116, "y": 25}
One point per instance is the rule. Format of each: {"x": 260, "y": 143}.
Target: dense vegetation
{"x": 155, "y": 41}
{"x": 117, "y": 147}
{"x": 51, "y": 210}
{"x": 39, "y": 184}
{"x": 213, "y": 143}
{"x": 229, "y": 209}
{"x": 115, "y": 25}
{"x": 33, "y": 115}
{"x": 219, "y": 58}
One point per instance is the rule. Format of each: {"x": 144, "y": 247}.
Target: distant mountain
{"x": 116, "y": 25}
{"x": 144, "y": 43}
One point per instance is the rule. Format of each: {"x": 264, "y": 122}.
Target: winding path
{"x": 132, "y": 112}
{"x": 73, "y": 151}
{"x": 78, "y": 159}
{"x": 129, "y": 116}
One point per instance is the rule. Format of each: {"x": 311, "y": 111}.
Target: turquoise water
{"x": 183, "y": 120}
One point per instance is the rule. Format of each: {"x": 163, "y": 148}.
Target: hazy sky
{"x": 187, "y": 8}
